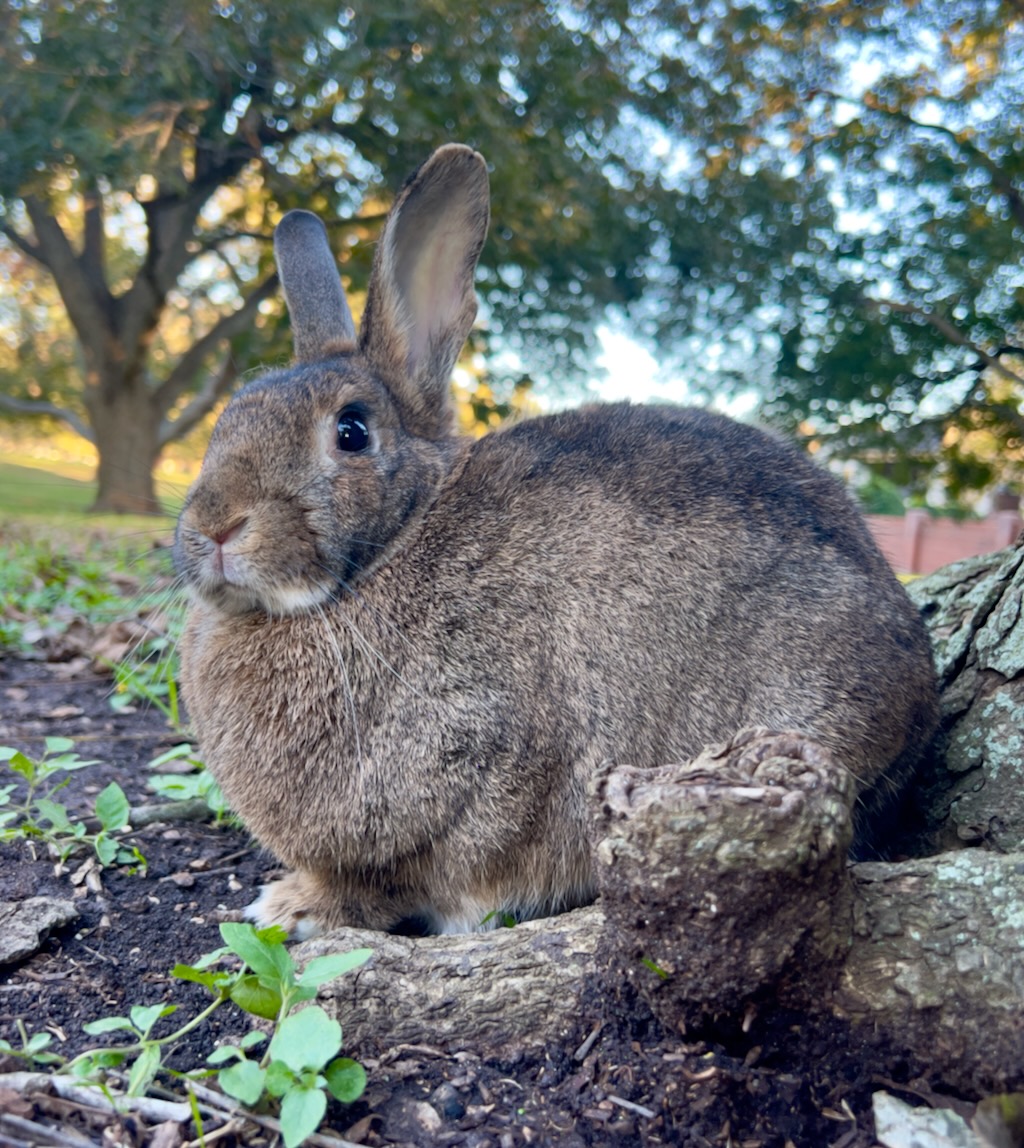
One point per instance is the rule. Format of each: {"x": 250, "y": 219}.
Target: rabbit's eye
{"x": 353, "y": 433}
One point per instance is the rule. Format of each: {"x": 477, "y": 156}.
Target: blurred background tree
{"x": 817, "y": 202}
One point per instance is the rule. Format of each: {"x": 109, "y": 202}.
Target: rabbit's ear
{"x": 421, "y": 304}
{"x": 321, "y": 321}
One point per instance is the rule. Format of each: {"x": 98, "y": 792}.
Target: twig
{"x": 193, "y": 809}
{"x": 152, "y": 1111}
{"x": 42, "y": 1133}
{"x": 231, "y": 1128}
{"x": 223, "y": 1104}
{"x": 631, "y": 1107}
{"x": 588, "y": 1044}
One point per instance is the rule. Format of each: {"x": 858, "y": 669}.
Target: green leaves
{"x": 301, "y": 1063}
{"x": 302, "y": 1109}
{"x": 257, "y": 998}
{"x": 301, "y": 1060}
{"x": 306, "y": 1039}
{"x": 262, "y": 951}
{"x": 33, "y": 1048}
{"x": 244, "y": 1080}
{"x": 322, "y": 969}
{"x": 44, "y": 818}
{"x": 346, "y": 1079}
{"x": 112, "y": 808}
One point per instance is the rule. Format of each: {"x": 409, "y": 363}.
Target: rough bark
{"x": 488, "y": 992}
{"x": 130, "y": 414}
{"x": 125, "y": 433}
{"x": 725, "y": 875}
{"x": 975, "y": 791}
{"x": 723, "y": 884}
{"x": 937, "y": 963}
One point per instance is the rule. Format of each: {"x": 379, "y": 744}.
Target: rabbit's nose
{"x": 231, "y": 532}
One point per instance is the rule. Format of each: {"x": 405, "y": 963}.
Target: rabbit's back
{"x": 621, "y": 584}
{"x": 684, "y": 575}
{"x": 632, "y": 583}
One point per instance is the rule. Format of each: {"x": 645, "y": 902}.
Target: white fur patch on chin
{"x": 268, "y": 909}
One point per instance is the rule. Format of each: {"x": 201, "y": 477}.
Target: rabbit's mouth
{"x": 273, "y": 600}
{"x": 235, "y": 580}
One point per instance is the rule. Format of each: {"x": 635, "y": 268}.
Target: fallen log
{"x": 974, "y": 792}
{"x": 925, "y": 956}
{"x": 723, "y": 882}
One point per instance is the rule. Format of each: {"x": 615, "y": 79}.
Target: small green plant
{"x": 297, "y": 1070}
{"x": 33, "y": 1048}
{"x": 150, "y": 676}
{"x": 39, "y": 817}
{"x": 301, "y": 1064}
{"x": 187, "y": 786}
{"x": 505, "y": 920}
{"x": 42, "y": 591}
{"x": 655, "y": 968}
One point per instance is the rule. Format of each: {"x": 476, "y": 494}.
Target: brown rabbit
{"x": 407, "y": 651}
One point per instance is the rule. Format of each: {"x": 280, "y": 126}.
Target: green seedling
{"x": 33, "y": 1048}
{"x": 38, "y": 817}
{"x": 151, "y": 677}
{"x": 301, "y": 1064}
{"x": 655, "y": 968}
{"x": 505, "y": 920}
{"x": 42, "y": 591}
{"x": 188, "y": 786}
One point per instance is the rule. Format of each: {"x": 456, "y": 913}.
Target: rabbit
{"x": 407, "y": 650}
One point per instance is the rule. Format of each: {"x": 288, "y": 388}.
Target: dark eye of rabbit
{"x": 353, "y": 433}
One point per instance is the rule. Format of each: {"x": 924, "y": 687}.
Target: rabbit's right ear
{"x": 421, "y": 304}
{"x": 321, "y": 321}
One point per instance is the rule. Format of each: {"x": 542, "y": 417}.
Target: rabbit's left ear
{"x": 420, "y": 305}
{"x": 321, "y": 321}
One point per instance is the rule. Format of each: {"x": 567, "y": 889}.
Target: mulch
{"x": 621, "y": 1080}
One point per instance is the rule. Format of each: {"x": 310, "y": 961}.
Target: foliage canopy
{"x": 821, "y": 201}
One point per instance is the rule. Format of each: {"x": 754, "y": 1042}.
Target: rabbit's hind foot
{"x": 287, "y": 903}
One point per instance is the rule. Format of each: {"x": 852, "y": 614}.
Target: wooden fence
{"x": 917, "y": 543}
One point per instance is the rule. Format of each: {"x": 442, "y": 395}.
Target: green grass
{"x": 30, "y": 487}
{"x": 31, "y": 490}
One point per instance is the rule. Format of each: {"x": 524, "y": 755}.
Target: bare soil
{"x": 760, "y": 1081}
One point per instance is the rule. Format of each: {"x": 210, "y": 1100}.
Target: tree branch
{"x": 952, "y": 333}
{"x": 87, "y": 308}
{"x": 215, "y": 240}
{"x": 188, "y": 366}
{"x": 93, "y": 258}
{"x": 37, "y": 408}
{"x": 215, "y": 387}
{"x": 24, "y": 245}
{"x": 1000, "y": 180}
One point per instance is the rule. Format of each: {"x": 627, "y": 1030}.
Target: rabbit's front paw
{"x": 286, "y": 903}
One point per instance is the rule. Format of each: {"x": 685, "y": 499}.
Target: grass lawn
{"x": 30, "y": 488}
{"x": 33, "y": 490}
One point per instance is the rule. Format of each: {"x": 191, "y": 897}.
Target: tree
{"x": 924, "y": 330}
{"x": 147, "y": 149}
{"x": 820, "y": 201}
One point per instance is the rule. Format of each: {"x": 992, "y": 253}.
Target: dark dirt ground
{"x": 773, "y": 1086}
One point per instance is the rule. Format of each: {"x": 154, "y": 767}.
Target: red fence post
{"x": 914, "y": 524}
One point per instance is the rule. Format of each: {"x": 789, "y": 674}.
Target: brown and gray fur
{"x": 404, "y": 663}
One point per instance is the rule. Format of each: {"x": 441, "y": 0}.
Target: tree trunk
{"x": 126, "y": 430}
{"x": 975, "y": 792}
{"x": 723, "y": 890}
{"x": 933, "y": 972}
